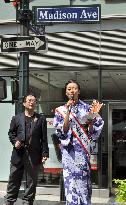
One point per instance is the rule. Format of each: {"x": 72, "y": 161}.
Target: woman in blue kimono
{"x": 70, "y": 121}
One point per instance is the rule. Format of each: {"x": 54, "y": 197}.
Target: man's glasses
{"x": 30, "y": 100}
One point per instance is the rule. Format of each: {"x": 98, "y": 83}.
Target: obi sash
{"x": 77, "y": 129}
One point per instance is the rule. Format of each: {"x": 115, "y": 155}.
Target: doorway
{"x": 116, "y": 142}
{"x": 119, "y": 143}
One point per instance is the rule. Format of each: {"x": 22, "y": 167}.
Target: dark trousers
{"x": 15, "y": 178}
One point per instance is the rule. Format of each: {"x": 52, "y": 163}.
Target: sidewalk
{"x": 51, "y": 199}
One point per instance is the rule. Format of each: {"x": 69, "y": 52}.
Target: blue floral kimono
{"x": 76, "y": 147}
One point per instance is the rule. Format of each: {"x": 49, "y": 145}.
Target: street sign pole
{"x": 23, "y": 68}
{"x": 24, "y": 59}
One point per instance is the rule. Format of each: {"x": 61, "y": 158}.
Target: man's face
{"x": 30, "y": 102}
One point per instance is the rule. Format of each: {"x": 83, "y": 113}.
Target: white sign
{"x": 24, "y": 43}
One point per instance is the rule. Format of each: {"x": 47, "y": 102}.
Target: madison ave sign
{"x": 73, "y": 14}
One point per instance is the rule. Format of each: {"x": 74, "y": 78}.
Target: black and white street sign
{"x": 24, "y": 44}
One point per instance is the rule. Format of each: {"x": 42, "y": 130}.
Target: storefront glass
{"x": 119, "y": 144}
{"x": 114, "y": 84}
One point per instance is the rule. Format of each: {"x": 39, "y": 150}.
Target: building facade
{"x": 94, "y": 55}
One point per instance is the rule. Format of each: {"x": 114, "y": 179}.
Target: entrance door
{"x": 117, "y": 141}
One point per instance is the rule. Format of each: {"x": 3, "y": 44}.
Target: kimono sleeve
{"x": 96, "y": 129}
{"x": 58, "y": 124}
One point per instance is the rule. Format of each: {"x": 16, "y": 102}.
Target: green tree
{"x": 120, "y": 191}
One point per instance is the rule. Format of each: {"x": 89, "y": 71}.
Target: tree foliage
{"x": 120, "y": 191}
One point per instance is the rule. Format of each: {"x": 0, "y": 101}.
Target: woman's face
{"x": 72, "y": 90}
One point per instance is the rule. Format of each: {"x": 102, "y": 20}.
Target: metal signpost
{"x": 24, "y": 57}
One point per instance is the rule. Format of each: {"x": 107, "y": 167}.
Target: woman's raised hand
{"x": 96, "y": 106}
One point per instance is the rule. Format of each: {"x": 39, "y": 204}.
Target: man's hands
{"x": 18, "y": 144}
{"x": 44, "y": 159}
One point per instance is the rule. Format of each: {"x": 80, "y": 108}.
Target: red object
{"x": 52, "y": 170}
{"x": 94, "y": 167}
{"x": 16, "y": 3}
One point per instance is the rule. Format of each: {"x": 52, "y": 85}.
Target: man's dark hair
{"x": 28, "y": 94}
{"x": 72, "y": 81}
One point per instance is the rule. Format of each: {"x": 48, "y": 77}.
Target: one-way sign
{"x": 24, "y": 44}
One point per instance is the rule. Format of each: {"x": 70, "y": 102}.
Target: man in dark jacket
{"x": 28, "y": 135}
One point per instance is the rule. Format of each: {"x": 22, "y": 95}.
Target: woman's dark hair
{"x": 32, "y": 94}
{"x": 72, "y": 81}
